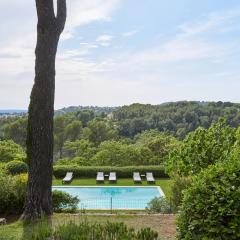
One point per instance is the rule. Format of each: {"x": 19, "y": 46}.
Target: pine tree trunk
{"x": 41, "y": 110}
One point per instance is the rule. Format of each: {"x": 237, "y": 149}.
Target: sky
{"x": 118, "y": 52}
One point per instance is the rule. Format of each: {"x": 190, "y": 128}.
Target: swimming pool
{"x": 119, "y": 197}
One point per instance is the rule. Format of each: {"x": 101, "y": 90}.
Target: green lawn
{"x": 165, "y": 184}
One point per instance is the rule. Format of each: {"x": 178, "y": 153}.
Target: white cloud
{"x": 104, "y": 40}
{"x": 85, "y": 11}
{"x": 130, "y": 33}
{"x": 216, "y": 21}
{"x": 193, "y": 43}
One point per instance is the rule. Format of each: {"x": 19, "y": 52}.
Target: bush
{"x": 211, "y": 206}
{"x": 178, "y": 186}
{"x": 202, "y": 148}
{"x": 80, "y": 161}
{"x": 159, "y": 205}
{"x": 16, "y": 167}
{"x": 122, "y": 172}
{"x": 64, "y": 201}
{"x": 89, "y": 231}
{"x": 9, "y": 151}
{"x": 12, "y": 193}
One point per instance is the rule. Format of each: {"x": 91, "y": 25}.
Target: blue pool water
{"x": 113, "y": 197}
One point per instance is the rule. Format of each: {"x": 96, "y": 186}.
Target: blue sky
{"x": 116, "y": 52}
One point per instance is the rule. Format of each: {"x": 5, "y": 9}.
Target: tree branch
{"x": 61, "y": 14}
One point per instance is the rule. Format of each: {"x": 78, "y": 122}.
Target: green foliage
{"x": 17, "y": 131}
{"x": 160, "y": 144}
{"x": 202, "y": 148}
{"x": 178, "y": 186}
{"x": 87, "y": 128}
{"x": 40, "y": 231}
{"x": 78, "y": 161}
{"x": 114, "y": 153}
{"x": 64, "y": 201}
{"x": 89, "y": 231}
{"x": 159, "y": 205}
{"x": 149, "y": 148}
{"x": 147, "y": 234}
{"x": 177, "y": 118}
{"x": 122, "y": 172}
{"x": 12, "y": 193}
{"x": 211, "y": 206}
{"x": 80, "y": 148}
{"x": 85, "y": 116}
{"x": 73, "y": 130}
{"x": 98, "y": 131}
{"x": 10, "y": 151}
{"x": 61, "y": 128}
{"x": 16, "y": 167}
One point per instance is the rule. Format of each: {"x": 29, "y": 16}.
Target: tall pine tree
{"x": 41, "y": 110}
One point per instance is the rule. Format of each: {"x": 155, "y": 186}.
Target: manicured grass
{"x": 164, "y": 224}
{"x": 165, "y": 184}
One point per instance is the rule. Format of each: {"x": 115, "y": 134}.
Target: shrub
{"x": 16, "y": 167}
{"x": 202, "y": 148}
{"x": 122, "y": 172}
{"x": 2, "y": 168}
{"x": 9, "y": 151}
{"x": 12, "y": 193}
{"x": 64, "y": 201}
{"x": 89, "y": 231}
{"x": 79, "y": 161}
{"x": 178, "y": 186}
{"x": 159, "y": 205}
{"x": 211, "y": 206}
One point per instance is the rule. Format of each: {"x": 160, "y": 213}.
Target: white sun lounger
{"x": 100, "y": 177}
{"x": 150, "y": 178}
{"x": 136, "y": 177}
{"x": 112, "y": 177}
{"x": 68, "y": 177}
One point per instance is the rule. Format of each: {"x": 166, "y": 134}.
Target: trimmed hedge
{"x": 122, "y": 172}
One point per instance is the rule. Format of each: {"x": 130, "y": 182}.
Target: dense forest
{"x": 178, "y": 118}
{"x": 131, "y": 135}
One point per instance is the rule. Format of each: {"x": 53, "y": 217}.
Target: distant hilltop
{"x": 96, "y": 109}
{"x": 12, "y": 111}
{"x": 109, "y": 110}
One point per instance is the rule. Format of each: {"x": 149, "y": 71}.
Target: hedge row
{"x": 122, "y": 172}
